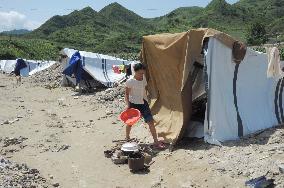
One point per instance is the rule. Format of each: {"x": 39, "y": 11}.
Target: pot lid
{"x": 130, "y": 146}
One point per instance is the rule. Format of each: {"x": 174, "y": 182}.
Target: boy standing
{"x": 135, "y": 97}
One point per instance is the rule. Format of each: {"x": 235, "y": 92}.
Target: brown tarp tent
{"x": 169, "y": 59}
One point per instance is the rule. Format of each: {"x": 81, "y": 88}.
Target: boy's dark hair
{"x": 139, "y": 66}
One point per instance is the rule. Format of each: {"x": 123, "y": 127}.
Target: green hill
{"x": 37, "y": 49}
{"x": 115, "y": 29}
{"x": 15, "y": 32}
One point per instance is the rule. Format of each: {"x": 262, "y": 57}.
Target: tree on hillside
{"x": 256, "y": 34}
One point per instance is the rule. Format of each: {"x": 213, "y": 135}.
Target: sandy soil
{"x": 65, "y": 136}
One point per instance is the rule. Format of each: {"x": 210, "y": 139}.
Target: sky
{"x": 30, "y": 14}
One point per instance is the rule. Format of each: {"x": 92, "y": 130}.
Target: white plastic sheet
{"x": 99, "y": 66}
{"x": 255, "y": 94}
{"x": 33, "y": 66}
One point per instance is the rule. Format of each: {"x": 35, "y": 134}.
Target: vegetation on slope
{"x": 12, "y": 48}
{"x": 115, "y": 29}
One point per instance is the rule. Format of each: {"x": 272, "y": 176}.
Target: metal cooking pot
{"x": 130, "y": 147}
{"x": 136, "y": 162}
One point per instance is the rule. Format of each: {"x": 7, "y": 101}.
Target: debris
{"x": 55, "y": 185}
{"x": 49, "y": 78}
{"x": 6, "y": 122}
{"x": 260, "y": 182}
{"x": 108, "y": 153}
{"x": 119, "y": 160}
{"x": 63, "y": 147}
{"x": 13, "y": 141}
{"x": 20, "y": 175}
{"x": 281, "y": 168}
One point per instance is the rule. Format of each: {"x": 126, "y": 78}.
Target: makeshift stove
{"x": 137, "y": 156}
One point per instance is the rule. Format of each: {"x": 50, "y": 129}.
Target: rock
{"x": 156, "y": 185}
{"x": 221, "y": 169}
{"x": 76, "y": 97}
{"x": 109, "y": 112}
{"x": 63, "y": 147}
{"x": 6, "y": 122}
{"x": 272, "y": 149}
{"x": 55, "y": 185}
{"x": 281, "y": 168}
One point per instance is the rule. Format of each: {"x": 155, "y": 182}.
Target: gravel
{"x": 20, "y": 175}
{"x": 49, "y": 78}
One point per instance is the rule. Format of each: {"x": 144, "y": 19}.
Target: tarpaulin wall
{"x": 169, "y": 58}
{"x": 242, "y": 98}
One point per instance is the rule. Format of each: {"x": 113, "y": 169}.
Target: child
{"x": 19, "y": 65}
{"x": 135, "y": 97}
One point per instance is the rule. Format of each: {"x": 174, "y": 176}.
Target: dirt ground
{"x": 63, "y": 136}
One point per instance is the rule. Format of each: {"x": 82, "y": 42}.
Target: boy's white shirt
{"x": 137, "y": 93}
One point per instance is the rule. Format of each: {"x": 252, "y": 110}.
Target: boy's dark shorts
{"x": 144, "y": 110}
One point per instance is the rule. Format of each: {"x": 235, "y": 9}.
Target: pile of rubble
{"x": 112, "y": 98}
{"x": 49, "y": 78}
{"x": 20, "y": 175}
{"x": 111, "y": 94}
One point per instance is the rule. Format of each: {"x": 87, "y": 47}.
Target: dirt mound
{"x": 49, "y": 78}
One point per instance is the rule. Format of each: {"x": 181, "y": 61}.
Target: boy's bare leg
{"x": 153, "y": 131}
{"x": 18, "y": 80}
{"x": 128, "y": 129}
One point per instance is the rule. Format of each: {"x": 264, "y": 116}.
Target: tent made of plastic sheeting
{"x": 196, "y": 84}
{"x": 33, "y": 66}
{"x": 98, "y": 66}
{"x": 8, "y": 66}
{"x": 243, "y": 100}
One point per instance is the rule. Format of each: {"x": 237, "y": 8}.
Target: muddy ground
{"x": 53, "y": 137}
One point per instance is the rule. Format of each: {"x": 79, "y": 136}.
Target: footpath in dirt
{"x": 53, "y": 137}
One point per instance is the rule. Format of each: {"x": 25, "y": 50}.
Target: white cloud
{"x": 15, "y": 20}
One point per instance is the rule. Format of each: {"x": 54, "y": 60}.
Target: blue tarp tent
{"x": 75, "y": 67}
{"x": 84, "y": 65}
{"x": 19, "y": 65}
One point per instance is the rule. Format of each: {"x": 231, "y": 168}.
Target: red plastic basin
{"x": 130, "y": 116}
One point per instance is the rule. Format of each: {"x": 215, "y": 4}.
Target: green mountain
{"x": 234, "y": 19}
{"x": 37, "y": 49}
{"x": 15, "y": 32}
{"x": 177, "y": 20}
{"x": 115, "y": 29}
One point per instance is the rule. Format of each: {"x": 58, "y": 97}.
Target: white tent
{"x": 7, "y": 66}
{"x": 33, "y": 66}
{"x": 99, "y": 66}
{"x": 242, "y": 99}
{"x": 198, "y": 89}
